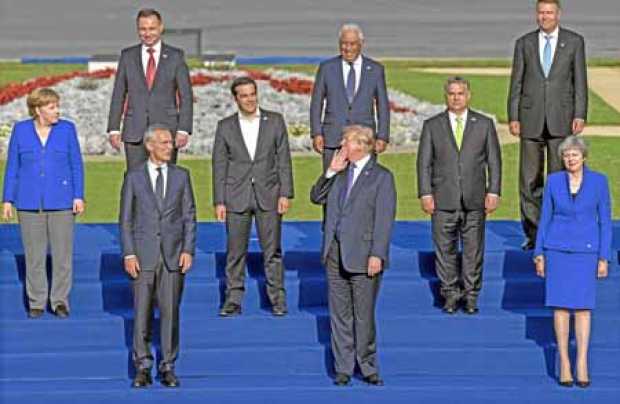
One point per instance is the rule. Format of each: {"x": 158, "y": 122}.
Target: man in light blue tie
{"x": 548, "y": 101}
{"x": 349, "y": 89}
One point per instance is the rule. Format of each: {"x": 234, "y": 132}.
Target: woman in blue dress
{"x": 573, "y": 247}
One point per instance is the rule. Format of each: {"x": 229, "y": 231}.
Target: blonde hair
{"x": 361, "y": 135}
{"x": 39, "y": 98}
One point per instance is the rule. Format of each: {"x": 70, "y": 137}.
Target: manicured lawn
{"x": 13, "y": 72}
{"x": 103, "y": 181}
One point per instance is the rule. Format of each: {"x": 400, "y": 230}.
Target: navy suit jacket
{"x": 581, "y": 225}
{"x": 364, "y": 222}
{"x": 46, "y": 177}
{"x": 330, "y": 96}
{"x": 147, "y": 231}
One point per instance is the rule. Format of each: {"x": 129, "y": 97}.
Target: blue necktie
{"x": 350, "y": 178}
{"x": 547, "y": 55}
{"x": 351, "y": 83}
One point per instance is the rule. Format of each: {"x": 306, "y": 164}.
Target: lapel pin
{"x": 264, "y": 117}
{"x": 562, "y": 44}
{"x": 164, "y": 55}
{"x": 473, "y": 119}
{"x": 368, "y": 67}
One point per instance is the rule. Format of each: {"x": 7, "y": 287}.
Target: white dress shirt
{"x": 359, "y": 166}
{"x": 249, "y": 130}
{"x": 152, "y": 169}
{"x": 542, "y": 41}
{"x": 146, "y": 56}
{"x": 453, "y": 117}
{"x": 357, "y": 65}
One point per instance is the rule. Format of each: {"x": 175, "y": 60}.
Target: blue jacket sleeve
{"x": 545, "y": 219}
{"x": 604, "y": 222}
{"x": 77, "y": 166}
{"x": 11, "y": 170}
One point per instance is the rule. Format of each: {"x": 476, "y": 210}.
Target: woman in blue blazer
{"x": 44, "y": 181}
{"x": 573, "y": 247}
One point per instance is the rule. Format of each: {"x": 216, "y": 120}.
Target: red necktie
{"x": 150, "y": 68}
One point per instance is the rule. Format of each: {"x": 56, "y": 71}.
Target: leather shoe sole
{"x": 342, "y": 380}
{"x": 35, "y": 313}
{"x": 61, "y": 311}
{"x": 229, "y": 310}
{"x": 374, "y": 380}
{"x": 169, "y": 379}
{"x": 142, "y": 379}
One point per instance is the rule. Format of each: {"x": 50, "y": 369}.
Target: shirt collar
{"x": 453, "y": 116}
{"x": 553, "y": 35}
{"x": 153, "y": 167}
{"x": 156, "y": 47}
{"x": 357, "y": 62}
{"x": 361, "y": 163}
{"x": 250, "y": 118}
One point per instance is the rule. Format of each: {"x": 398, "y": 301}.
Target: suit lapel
{"x": 238, "y": 136}
{"x": 262, "y": 133}
{"x": 161, "y": 64}
{"x": 468, "y": 130}
{"x": 149, "y": 187}
{"x": 447, "y": 129}
{"x": 340, "y": 74}
{"x": 535, "y": 52}
{"x": 360, "y": 181}
{"x": 559, "y": 47}
{"x": 140, "y": 67}
{"x": 365, "y": 71}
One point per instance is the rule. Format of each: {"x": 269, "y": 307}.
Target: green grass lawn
{"x": 103, "y": 182}
{"x": 14, "y": 72}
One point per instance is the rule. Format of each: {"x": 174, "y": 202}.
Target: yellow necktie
{"x": 458, "y": 135}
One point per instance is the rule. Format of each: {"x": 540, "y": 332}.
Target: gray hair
{"x": 456, "y": 80}
{"x": 152, "y": 130}
{"x": 573, "y": 142}
{"x": 351, "y": 27}
{"x": 362, "y": 135}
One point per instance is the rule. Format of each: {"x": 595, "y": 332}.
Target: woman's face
{"x": 49, "y": 114}
{"x": 573, "y": 160}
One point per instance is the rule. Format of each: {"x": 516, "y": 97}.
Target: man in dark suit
{"x": 348, "y": 89}
{"x": 459, "y": 180}
{"x": 548, "y": 101}
{"x": 158, "y": 234}
{"x": 252, "y": 177}
{"x": 360, "y": 199}
{"x": 152, "y": 85}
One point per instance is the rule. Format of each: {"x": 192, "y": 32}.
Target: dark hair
{"x": 556, "y": 2}
{"x": 456, "y": 80}
{"x": 240, "y": 81}
{"x": 148, "y": 12}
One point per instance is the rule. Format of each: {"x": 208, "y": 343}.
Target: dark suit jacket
{"x": 581, "y": 225}
{"x": 234, "y": 171}
{"x": 330, "y": 96}
{"x": 147, "y": 231}
{"x": 452, "y": 176}
{"x": 557, "y": 99}
{"x": 365, "y": 220}
{"x": 156, "y": 106}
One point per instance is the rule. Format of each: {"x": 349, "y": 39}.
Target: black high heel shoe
{"x": 566, "y": 383}
{"x": 583, "y": 383}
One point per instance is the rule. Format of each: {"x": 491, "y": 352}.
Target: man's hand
{"x": 339, "y": 161}
{"x": 78, "y": 206}
{"x": 540, "y": 265}
{"x": 7, "y": 211}
{"x": 578, "y": 126}
{"x": 491, "y": 202}
{"x": 181, "y": 139}
{"x": 427, "y": 202}
{"x": 318, "y": 143}
{"x": 132, "y": 266}
{"x": 185, "y": 262}
{"x": 602, "y": 270}
{"x": 115, "y": 140}
{"x": 220, "y": 212}
{"x": 283, "y": 205}
{"x": 380, "y": 146}
{"x": 515, "y": 128}
{"x": 375, "y": 265}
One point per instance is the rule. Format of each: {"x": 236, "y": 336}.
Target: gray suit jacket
{"x": 160, "y": 105}
{"x": 234, "y": 171}
{"x": 147, "y": 231}
{"x": 557, "y": 99}
{"x": 364, "y": 222}
{"x": 329, "y": 95}
{"x": 458, "y": 179}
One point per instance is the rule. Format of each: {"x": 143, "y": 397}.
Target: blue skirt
{"x": 570, "y": 279}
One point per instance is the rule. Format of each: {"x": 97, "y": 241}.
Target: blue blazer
{"x": 41, "y": 177}
{"x": 582, "y": 225}
{"x": 329, "y": 88}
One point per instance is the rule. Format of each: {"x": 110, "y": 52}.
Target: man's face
{"x": 160, "y": 147}
{"x": 547, "y": 16}
{"x": 354, "y": 150}
{"x": 350, "y": 45}
{"x": 457, "y": 98}
{"x": 150, "y": 30}
{"x": 246, "y": 98}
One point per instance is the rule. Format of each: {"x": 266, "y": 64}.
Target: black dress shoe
{"x": 450, "y": 306}
{"x": 230, "y": 309}
{"x": 470, "y": 309}
{"x": 61, "y": 311}
{"x": 374, "y": 380}
{"x": 583, "y": 383}
{"x": 35, "y": 313}
{"x": 565, "y": 383}
{"x": 279, "y": 311}
{"x": 527, "y": 245}
{"x": 142, "y": 379}
{"x": 341, "y": 379}
{"x": 169, "y": 379}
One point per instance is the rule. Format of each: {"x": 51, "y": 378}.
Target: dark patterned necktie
{"x": 351, "y": 83}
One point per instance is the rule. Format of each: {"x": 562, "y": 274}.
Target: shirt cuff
{"x": 127, "y": 257}
{"x": 426, "y": 196}
{"x": 114, "y": 132}
{"x": 330, "y": 173}
{"x": 183, "y": 132}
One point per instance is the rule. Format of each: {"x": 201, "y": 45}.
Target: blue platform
{"x": 506, "y": 354}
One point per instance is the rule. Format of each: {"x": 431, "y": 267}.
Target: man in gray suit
{"x": 348, "y": 90}
{"x": 158, "y": 234}
{"x": 459, "y": 179}
{"x": 252, "y": 177}
{"x": 152, "y": 85}
{"x": 360, "y": 199}
{"x": 548, "y": 101}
